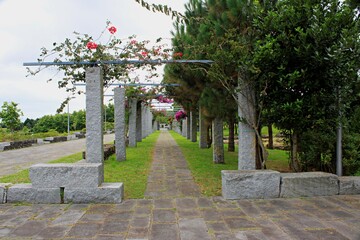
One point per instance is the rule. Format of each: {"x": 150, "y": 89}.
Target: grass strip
{"x": 134, "y": 171}
{"x": 207, "y": 174}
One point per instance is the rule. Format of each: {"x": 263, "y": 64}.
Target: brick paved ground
{"x": 175, "y": 209}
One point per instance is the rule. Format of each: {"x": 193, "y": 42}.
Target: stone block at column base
{"x": 308, "y": 184}
{"x": 105, "y": 193}
{"x": 25, "y": 193}
{"x": 349, "y": 185}
{"x": 65, "y": 175}
{"x": 250, "y": 184}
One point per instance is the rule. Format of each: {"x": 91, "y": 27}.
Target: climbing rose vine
{"x": 85, "y": 48}
{"x": 163, "y": 99}
{"x": 181, "y": 114}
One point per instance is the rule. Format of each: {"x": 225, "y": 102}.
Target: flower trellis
{"x": 118, "y": 58}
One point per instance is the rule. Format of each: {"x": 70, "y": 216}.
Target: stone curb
{"x": 259, "y": 184}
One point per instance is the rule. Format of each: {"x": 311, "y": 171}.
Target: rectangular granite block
{"x": 106, "y": 193}
{"x": 349, "y": 185}
{"x": 67, "y": 175}
{"x": 308, "y": 184}
{"x": 25, "y": 193}
{"x": 250, "y": 184}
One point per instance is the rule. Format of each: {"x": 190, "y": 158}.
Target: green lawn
{"x": 207, "y": 174}
{"x": 133, "y": 172}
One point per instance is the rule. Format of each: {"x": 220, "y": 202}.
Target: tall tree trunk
{"x": 294, "y": 160}
{"x": 218, "y": 142}
{"x": 231, "y": 144}
{"x": 271, "y": 138}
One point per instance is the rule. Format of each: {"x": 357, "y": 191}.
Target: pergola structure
{"x": 83, "y": 182}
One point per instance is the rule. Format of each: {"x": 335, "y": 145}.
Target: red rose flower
{"x": 112, "y": 29}
{"x": 144, "y": 54}
{"x": 91, "y": 45}
{"x": 178, "y": 54}
{"x": 133, "y": 42}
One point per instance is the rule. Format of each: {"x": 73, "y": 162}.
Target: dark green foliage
{"x": 307, "y": 54}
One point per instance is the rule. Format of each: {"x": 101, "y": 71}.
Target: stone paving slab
{"x": 331, "y": 217}
{"x": 185, "y": 217}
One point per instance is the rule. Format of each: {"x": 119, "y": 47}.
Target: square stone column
{"x": 183, "y": 127}
{"x": 247, "y": 136}
{"x": 155, "y": 126}
{"x": 120, "y": 136}
{"x": 149, "y": 121}
{"x": 132, "y": 122}
{"x": 94, "y": 115}
{"x": 143, "y": 120}
{"x": 139, "y": 117}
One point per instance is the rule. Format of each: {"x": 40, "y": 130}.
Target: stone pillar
{"x": 148, "y": 121}
{"x": 139, "y": 122}
{"x": 149, "y": 128}
{"x": 247, "y": 137}
{"x": 193, "y": 127}
{"x": 94, "y": 115}
{"x": 183, "y": 127}
{"x": 143, "y": 121}
{"x": 188, "y": 126}
{"x": 203, "y": 131}
{"x": 218, "y": 143}
{"x": 120, "y": 136}
{"x": 155, "y": 126}
{"x": 132, "y": 122}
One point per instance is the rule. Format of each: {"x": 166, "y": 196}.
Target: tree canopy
{"x": 10, "y": 116}
{"x": 300, "y": 57}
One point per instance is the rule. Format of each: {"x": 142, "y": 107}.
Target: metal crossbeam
{"x": 135, "y": 84}
{"x": 116, "y": 62}
{"x": 138, "y": 95}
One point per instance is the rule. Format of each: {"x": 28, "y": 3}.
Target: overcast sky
{"x": 28, "y": 25}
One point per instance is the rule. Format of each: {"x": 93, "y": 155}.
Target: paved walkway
{"x": 15, "y": 160}
{"x": 173, "y": 211}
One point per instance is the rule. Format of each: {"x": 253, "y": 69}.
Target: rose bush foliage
{"x": 85, "y": 48}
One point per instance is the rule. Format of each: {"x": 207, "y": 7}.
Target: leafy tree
{"x": 307, "y": 55}
{"x": 10, "y": 116}
{"x": 56, "y": 122}
{"x": 29, "y": 123}
{"x": 78, "y": 120}
{"x": 109, "y": 111}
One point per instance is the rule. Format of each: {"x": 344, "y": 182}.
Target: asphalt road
{"x": 15, "y": 160}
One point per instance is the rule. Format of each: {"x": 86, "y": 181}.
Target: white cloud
{"x": 26, "y": 26}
